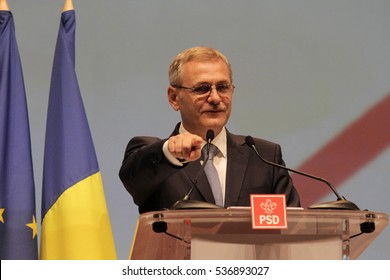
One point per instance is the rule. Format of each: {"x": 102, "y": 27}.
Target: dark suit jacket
{"x": 156, "y": 184}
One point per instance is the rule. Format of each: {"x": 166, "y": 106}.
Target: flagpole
{"x": 4, "y": 5}
{"x": 67, "y": 6}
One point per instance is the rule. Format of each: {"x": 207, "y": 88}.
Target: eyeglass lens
{"x": 221, "y": 88}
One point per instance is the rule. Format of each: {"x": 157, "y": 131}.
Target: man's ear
{"x": 173, "y": 98}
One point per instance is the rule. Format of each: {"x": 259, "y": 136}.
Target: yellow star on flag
{"x": 33, "y": 226}
{"x": 1, "y": 215}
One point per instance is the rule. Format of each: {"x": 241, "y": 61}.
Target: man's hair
{"x": 199, "y": 53}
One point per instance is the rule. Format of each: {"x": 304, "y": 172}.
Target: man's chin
{"x": 215, "y": 125}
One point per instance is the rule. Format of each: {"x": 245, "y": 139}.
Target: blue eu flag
{"x": 18, "y": 226}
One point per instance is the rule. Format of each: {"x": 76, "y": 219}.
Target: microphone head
{"x": 249, "y": 141}
{"x": 210, "y": 135}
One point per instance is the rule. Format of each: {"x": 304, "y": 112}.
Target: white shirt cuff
{"x": 169, "y": 156}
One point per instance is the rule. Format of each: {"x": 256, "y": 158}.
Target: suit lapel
{"x": 202, "y": 185}
{"x": 237, "y": 154}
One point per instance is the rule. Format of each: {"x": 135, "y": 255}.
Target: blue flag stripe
{"x": 68, "y": 135}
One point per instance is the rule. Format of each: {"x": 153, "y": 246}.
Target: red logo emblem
{"x": 268, "y": 211}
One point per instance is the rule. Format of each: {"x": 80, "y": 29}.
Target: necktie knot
{"x": 213, "y": 151}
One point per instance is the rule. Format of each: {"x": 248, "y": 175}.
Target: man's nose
{"x": 214, "y": 96}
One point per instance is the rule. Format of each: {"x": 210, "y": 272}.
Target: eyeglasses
{"x": 207, "y": 88}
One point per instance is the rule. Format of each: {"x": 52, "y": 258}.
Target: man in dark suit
{"x": 159, "y": 172}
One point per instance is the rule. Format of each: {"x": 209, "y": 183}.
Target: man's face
{"x": 210, "y": 111}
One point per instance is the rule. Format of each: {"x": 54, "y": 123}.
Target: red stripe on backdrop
{"x": 346, "y": 154}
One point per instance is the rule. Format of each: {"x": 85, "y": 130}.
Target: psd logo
{"x": 268, "y": 211}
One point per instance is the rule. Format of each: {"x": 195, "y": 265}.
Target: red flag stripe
{"x": 347, "y": 153}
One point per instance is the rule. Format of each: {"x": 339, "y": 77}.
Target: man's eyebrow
{"x": 208, "y": 83}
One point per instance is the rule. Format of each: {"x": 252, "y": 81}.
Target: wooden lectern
{"x": 228, "y": 234}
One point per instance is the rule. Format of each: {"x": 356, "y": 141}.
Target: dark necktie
{"x": 212, "y": 174}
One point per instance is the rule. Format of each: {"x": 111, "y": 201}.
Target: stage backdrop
{"x": 310, "y": 75}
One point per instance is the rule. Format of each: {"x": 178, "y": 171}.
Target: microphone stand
{"x": 341, "y": 203}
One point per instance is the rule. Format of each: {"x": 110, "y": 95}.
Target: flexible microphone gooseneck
{"x": 209, "y": 138}
{"x": 341, "y": 203}
{"x": 185, "y": 202}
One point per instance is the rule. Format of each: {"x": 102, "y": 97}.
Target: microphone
{"x": 341, "y": 203}
{"x": 209, "y": 138}
{"x": 185, "y": 202}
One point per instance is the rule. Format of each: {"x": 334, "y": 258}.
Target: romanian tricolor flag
{"x": 75, "y": 223}
{"x": 18, "y": 226}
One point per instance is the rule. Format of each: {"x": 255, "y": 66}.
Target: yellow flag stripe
{"x": 77, "y": 226}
